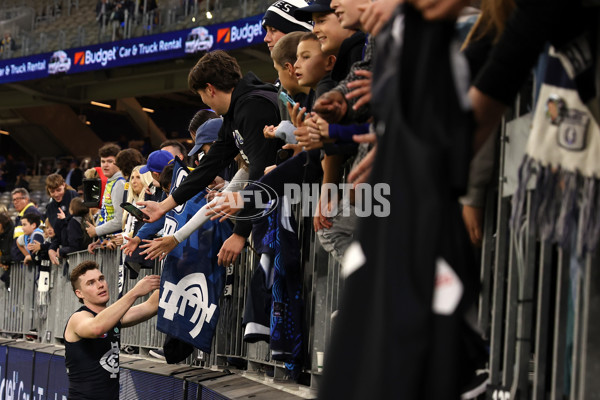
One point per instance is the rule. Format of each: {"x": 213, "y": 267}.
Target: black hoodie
{"x": 253, "y": 105}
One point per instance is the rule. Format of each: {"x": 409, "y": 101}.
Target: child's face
{"x": 348, "y": 13}
{"x": 49, "y": 233}
{"x": 27, "y": 227}
{"x": 330, "y": 32}
{"x": 287, "y": 77}
{"x": 58, "y": 193}
{"x": 311, "y": 63}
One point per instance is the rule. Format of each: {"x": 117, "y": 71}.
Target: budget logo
{"x": 80, "y": 58}
{"x": 234, "y": 34}
{"x": 101, "y": 56}
{"x": 224, "y": 35}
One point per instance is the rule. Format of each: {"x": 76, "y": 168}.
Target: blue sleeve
{"x": 344, "y": 133}
{"x": 151, "y": 228}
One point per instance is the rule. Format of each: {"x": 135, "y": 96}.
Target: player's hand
{"x": 231, "y": 249}
{"x": 158, "y": 247}
{"x": 146, "y": 285}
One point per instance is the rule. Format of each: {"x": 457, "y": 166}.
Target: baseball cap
{"x": 157, "y": 161}
{"x": 206, "y": 133}
{"x": 317, "y": 6}
{"x": 280, "y": 15}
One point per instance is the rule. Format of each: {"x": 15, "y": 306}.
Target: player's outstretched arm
{"x": 141, "y": 312}
{"x": 85, "y": 325}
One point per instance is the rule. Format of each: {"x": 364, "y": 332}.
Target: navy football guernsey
{"x": 93, "y": 365}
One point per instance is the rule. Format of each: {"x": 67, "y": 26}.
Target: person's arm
{"x": 114, "y": 225}
{"x": 222, "y": 152}
{"x": 365, "y": 65}
{"x": 141, "y": 312}
{"x": 344, "y": 133}
{"x": 85, "y": 325}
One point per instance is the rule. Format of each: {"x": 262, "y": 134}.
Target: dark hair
{"x": 217, "y": 68}
{"x": 309, "y": 36}
{"x": 175, "y": 143}
{"x": 78, "y": 207}
{"x": 32, "y": 219}
{"x": 6, "y": 222}
{"x": 79, "y": 270}
{"x": 165, "y": 178}
{"x": 128, "y": 159}
{"x": 285, "y": 50}
{"x": 109, "y": 150}
{"x": 201, "y": 117}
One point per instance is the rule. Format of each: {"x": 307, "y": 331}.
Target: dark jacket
{"x": 350, "y": 52}
{"x": 52, "y": 214}
{"x": 71, "y": 237}
{"x": 253, "y": 105}
{"x": 6, "y": 240}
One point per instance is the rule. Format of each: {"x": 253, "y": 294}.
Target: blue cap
{"x": 208, "y": 132}
{"x": 317, "y": 6}
{"x": 157, "y": 161}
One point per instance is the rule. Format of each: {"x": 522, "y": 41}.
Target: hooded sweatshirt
{"x": 253, "y": 105}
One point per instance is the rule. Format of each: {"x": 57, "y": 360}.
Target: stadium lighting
{"x": 148, "y": 110}
{"x": 95, "y": 103}
{"x": 208, "y": 15}
{"x": 88, "y": 123}
{"x": 193, "y": 19}
{"x": 4, "y": 132}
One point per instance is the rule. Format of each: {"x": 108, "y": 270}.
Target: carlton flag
{"x": 191, "y": 280}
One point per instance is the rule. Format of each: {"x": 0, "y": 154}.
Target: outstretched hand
{"x": 158, "y": 247}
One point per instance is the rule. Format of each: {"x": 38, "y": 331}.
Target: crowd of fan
{"x": 68, "y": 223}
{"x": 327, "y": 74}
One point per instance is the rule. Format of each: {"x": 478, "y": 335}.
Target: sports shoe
{"x": 477, "y": 385}
{"x": 157, "y": 353}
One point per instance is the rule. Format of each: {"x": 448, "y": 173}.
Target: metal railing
{"x": 20, "y": 306}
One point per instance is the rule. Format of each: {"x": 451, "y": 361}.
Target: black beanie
{"x": 280, "y": 15}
